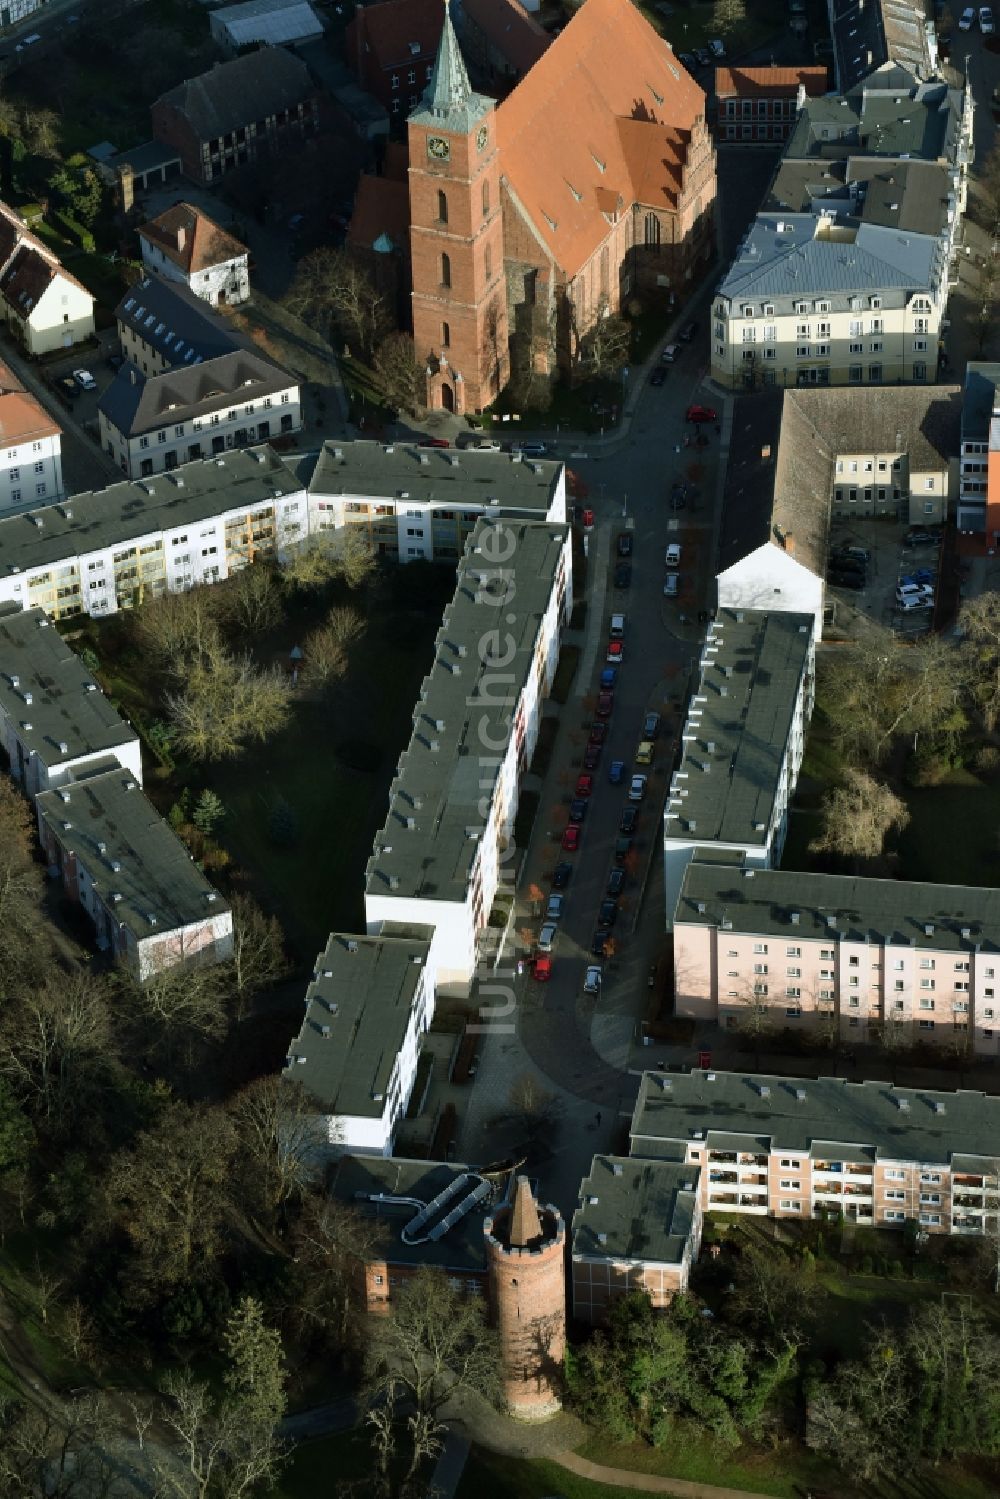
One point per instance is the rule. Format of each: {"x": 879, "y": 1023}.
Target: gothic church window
{"x": 652, "y": 231}
{"x": 445, "y": 270}
{"x": 442, "y": 207}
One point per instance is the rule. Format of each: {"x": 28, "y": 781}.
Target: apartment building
{"x": 824, "y": 1147}
{"x": 979, "y": 480}
{"x": 881, "y": 35}
{"x": 151, "y": 906}
{"x": 414, "y": 502}
{"x": 54, "y": 719}
{"x": 30, "y": 447}
{"x": 742, "y": 742}
{"x": 637, "y": 1227}
{"x": 761, "y": 105}
{"x": 840, "y": 955}
{"x": 184, "y": 245}
{"x": 438, "y": 860}
{"x": 388, "y": 1194}
{"x": 368, "y": 1005}
{"x": 109, "y": 549}
{"x": 153, "y": 425}
{"x": 164, "y": 324}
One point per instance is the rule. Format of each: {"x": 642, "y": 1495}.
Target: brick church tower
{"x": 525, "y": 1256}
{"x": 459, "y": 299}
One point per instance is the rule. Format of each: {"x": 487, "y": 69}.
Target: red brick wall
{"x": 528, "y": 1296}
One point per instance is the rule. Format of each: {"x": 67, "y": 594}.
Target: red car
{"x": 700, "y": 414}
{"x": 434, "y": 442}
{"x": 588, "y": 520}
{"x": 605, "y": 703}
{"x": 541, "y": 970}
{"x": 584, "y": 785}
{"x": 616, "y": 653}
{"x": 571, "y": 838}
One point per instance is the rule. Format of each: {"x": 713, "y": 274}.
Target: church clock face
{"x": 481, "y": 138}
{"x": 438, "y": 148}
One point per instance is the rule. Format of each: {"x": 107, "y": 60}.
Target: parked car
{"x": 616, "y": 628}
{"x": 592, "y": 980}
{"x": 598, "y": 733}
{"x": 67, "y": 387}
{"x": 616, "y": 882}
{"x": 651, "y": 726}
{"x": 607, "y": 915}
{"x": 671, "y": 354}
{"x": 915, "y": 591}
{"x": 986, "y": 20}
{"x": 616, "y": 653}
{"x": 847, "y": 565}
{"x": 599, "y": 945}
{"x": 547, "y": 937}
{"x": 671, "y": 585}
{"x": 845, "y": 580}
{"x": 703, "y": 57}
{"x": 637, "y": 788}
{"x": 623, "y": 575}
{"x": 919, "y": 538}
{"x": 434, "y": 442}
{"x": 644, "y": 754}
{"x": 859, "y": 554}
{"x": 554, "y": 909}
{"x": 571, "y": 838}
{"x": 605, "y": 704}
{"x": 584, "y": 785}
{"x": 924, "y": 576}
{"x": 700, "y": 414}
{"x": 967, "y": 19}
{"x": 673, "y": 555}
{"x": 688, "y": 332}
{"x": 591, "y": 755}
{"x": 658, "y": 376}
{"x": 616, "y": 772}
{"x": 577, "y": 809}
{"x": 717, "y": 49}
{"x": 85, "y": 379}
{"x": 628, "y": 819}
{"x": 529, "y": 449}
{"x": 913, "y": 601}
{"x": 623, "y": 847}
{"x": 609, "y": 678}
{"x": 588, "y": 520}
{"x": 624, "y": 543}
{"x": 541, "y": 970}
{"x": 686, "y": 60}
{"x": 561, "y": 876}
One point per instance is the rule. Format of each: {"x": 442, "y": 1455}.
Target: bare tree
{"x": 226, "y": 703}
{"x": 67, "y": 1450}
{"x": 25, "y": 944}
{"x": 176, "y": 628}
{"x": 346, "y": 554}
{"x": 857, "y": 817}
{"x": 177, "y": 1009}
{"x": 327, "y": 650}
{"x": 880, "y": 688}
{"x": 252, "y": 599}
{"x": 332, "y": 290}
{"x": 980, "y": 621}
{"x": 282, "y": 1139}
{"x": 56, "y": 1045}
{"x": 604, "y": 348}
{"x": 531, "y": 1109}
{"x": 330, "y": 1238}
{"x": 399, "y": 374}
{"x": 258, "y": 957}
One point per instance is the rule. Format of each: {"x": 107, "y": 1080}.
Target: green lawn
{"x": 952, "y": 836}
{"x": 489, "y": 1476}
{"x": 327, "y": 1466}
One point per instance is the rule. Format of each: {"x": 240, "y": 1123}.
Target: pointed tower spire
{"x": 525, "y": 1225}
{"x": 449, "y": 100}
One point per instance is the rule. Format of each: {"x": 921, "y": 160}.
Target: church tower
{"x": 526, "y": 1259}
{"x": 459, "y": 298}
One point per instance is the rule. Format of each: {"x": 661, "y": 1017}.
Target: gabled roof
{"x": 770, "y": 83}
{"x": 22, "y": 418}
{"x": 192, "y": 240}
{"x": 182, "y": 328}
{"x": 134, "y": 404}
{"x": 392, "y": 29}
{"x": 26, "y": 280}
{"x": 508, "y": 28}
{"x": 247, "y": 88}
{"x": 560, "y": 132}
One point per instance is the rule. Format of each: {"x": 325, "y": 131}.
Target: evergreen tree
{"x": 208, "y": 813}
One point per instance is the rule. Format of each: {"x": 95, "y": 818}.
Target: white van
{"x": 671, "y": 585}
{"x": 913, "y": 601}
{"x": 617, "y": 626}
{"x": 673, "y": 557}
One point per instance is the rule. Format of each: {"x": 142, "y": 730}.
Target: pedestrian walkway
{"x": 645, "y": 1483}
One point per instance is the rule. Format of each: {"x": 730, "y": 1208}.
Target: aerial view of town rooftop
{"x": 500, "y": 727}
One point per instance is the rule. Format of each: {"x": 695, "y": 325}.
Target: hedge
{"x": 75, "y": 230}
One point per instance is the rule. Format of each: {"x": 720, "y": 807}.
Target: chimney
{"x": 790, "y": 544}
{"x": 181, "y": 237}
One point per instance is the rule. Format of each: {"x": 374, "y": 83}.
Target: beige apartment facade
{"x": 870, "y": 1152}
{"x": 859, "y": 960}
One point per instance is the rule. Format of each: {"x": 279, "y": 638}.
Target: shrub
{"x": 867, "y": 1265}
{"x": 208, "y": 813}
{"x": 74, "y": 230}
{"x": 987, "y": 759}
{"x": 89, "y": 659}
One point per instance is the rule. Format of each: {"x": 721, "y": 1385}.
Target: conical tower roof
{"x": 525, "y": 1225}
{"x": 450, "y": 102}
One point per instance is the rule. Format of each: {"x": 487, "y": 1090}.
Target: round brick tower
{"x": 525, "y": 1253}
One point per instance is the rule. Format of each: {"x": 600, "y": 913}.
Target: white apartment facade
{"x": 743, "y": 742}
{"x": 783, "y": 315}
{"x": 872, "y": 1153}
{"x": 30, "y": 448}
{"x": 439, "y": 859}
{"x": 849, "y": 959}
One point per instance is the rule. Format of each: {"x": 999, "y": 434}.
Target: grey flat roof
{"x": 982, "y": 383}
{"x": 147, "y": 157}
{"x": 136, "y": 403}
{"x": 911, "y": 913}
{"x": 358, "y": 1178}
{"x": 833, "y": 1119}
{"x": 740, "y": 736}
{"x": 437, "y": 476}
{"x": 904, "y": 195}
{"x": 142, "y": 861}
{"x": 878, "y": 119}
{"x": 785, "y": 255}
{"x": 182, "y": 328}
{"x": 429, "y": 840}
{"x": 67, "y": 706}
{"x": 101, "y": 518}
{"x": 362, "y": 989}
{"x": 632, "y": 1209}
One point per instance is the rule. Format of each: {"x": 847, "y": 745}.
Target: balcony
{"x": 753, "y": 1160}
{"x": 753, "y": 1178}
{"x": 728, "y": 1177}
{"x": 827, "y": 1189}
{"x": 723, "y": 1157}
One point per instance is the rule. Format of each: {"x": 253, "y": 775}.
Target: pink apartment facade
{"x": 858, "y": 959}
{"x": 807, "y": 1147}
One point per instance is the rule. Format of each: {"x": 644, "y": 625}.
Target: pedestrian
{"x": 598, "y": 1116}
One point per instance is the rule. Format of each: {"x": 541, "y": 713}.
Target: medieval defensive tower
{"x": 525, "y": 1251}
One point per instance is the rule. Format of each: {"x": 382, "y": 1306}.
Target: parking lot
{"x": 895, "y": 561}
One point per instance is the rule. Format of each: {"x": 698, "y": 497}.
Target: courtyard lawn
{"x": 953, "y": 831}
